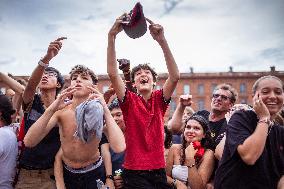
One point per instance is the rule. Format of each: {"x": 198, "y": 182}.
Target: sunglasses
{"x": 223, "y": 97}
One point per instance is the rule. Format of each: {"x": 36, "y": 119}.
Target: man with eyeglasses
{"x": 36, "y": 164}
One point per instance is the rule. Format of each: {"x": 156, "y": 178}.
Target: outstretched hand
{"x": 117, "y": 26}
{"x": 53, "y": 49}
{"x": 96, "y": 94}
{"x": 156, "y": 30}
{"x": 63, "y": 99}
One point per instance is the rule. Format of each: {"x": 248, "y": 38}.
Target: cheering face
{"x": 80, "y": 81}
{"x": 48, "y": 80}
{"x": 193, "y": 131}
{"x": 221, "y": 100}
{"x": 143, "y": 81}
{"x": 271, "y": 92}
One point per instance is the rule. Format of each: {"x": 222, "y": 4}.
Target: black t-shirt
{"x": 42, "y": 155}
{"x": 233, "y": 173}
{"x": 217, "y": 128}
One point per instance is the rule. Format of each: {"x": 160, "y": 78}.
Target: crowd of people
{"x": 54, "y": 135}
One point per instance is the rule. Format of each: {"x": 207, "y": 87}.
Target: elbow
{"x": 249, "y": 159}
{"x": 120, "y": 148}
{"x": 28, "y": 143}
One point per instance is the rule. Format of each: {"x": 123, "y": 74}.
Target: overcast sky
{"x": 208, "y": 35}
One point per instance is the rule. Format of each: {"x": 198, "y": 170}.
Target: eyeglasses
{"x": 50, "y": 74}
{"x": 223, "y": 97}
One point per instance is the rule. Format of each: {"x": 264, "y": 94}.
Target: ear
{"x": 58, "y": 85}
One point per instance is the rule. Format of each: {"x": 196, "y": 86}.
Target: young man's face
{"x": 143, "y": 81}
{"x": 48, "y": 80}
{"x": 118, "y": 118}
{"x": 81, "y": 81}
{"x": 221, "y": 101}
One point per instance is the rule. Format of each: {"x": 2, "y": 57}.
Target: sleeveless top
{"x": 180, "y": 172}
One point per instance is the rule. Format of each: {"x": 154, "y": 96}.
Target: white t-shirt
{"x": 8, "y": 156}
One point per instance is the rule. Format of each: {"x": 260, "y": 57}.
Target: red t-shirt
{"x": 144, "y": 132}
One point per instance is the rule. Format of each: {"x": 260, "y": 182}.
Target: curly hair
{"x": 206, "y": 142}
{"x": 83, "y": 69}
{"x": 144, "y": 67}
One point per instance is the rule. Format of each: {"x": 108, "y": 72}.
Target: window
{"x": 243, "y": 88}
{"x": 200, "y": 89}
{"x": 105, "y": 88}
{"x": 186, "y": 89}
{"x": 243, "y": 101}
{"x": 200, "y": 104}
{"x": 213, "y": 86}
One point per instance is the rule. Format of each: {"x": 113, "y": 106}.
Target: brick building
{"x": 201, "y": 85}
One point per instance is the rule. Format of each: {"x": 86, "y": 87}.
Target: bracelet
{"x": 110, "y": 177}
{"x": 174, "y": 183}
{"x": 192, "y": 165}
{"x": 41, "y": 63}
{"x": 266, "y": 121}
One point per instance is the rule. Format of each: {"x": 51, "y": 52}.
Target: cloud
{"x": 7, "y": 60}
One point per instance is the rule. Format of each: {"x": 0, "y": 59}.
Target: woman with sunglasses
{"x": 191, "y": 163}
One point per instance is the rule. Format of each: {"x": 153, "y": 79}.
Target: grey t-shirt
{"x": 8, "y": 155}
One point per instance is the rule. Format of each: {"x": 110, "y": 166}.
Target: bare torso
{"x": 76, "y": 153}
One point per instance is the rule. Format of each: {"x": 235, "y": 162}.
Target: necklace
{"x": 270, "y": 127}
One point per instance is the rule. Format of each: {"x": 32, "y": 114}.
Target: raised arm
{"x": 253, "y": 146}
{"x": 35, "y": 78}
{"x": 11, "y": 83}
{"x": 157, "y": 32}
{"x": 176, "y": 124}
{"x": 112, "y": 130}
{"x": 112, "y": 70}
{"x": 48, "y": 120}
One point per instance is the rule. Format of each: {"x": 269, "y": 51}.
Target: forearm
{"x": 194, "y": 179}
{"x": 253, "y": 146}
{"x": 58, "y": 172}
{"x": 39, "y": 129}
{"x": 13, "y": 84}
{"x": 175, "y": 124}
{"x": 114, "y": 133}
{"x": 170, "y": 61}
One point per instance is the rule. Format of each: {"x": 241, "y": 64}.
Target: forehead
{"x": 80, "y": 73}
{"x": 116, "y": 110}
{"x": 270, "y": 83}
{"x": 223, "y": 92}
{"x": 193, "y": 122}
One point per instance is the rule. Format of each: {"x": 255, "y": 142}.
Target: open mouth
{"x": 144, "y": 81}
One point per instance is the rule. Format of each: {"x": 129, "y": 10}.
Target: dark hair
{"x": 114, "y": 104}
{"x": 144, "y": 67}
{"x": 6, "y": 109}
{"x": 227, "y": 87}
{"x": 59, "y": 77}
{"x": 83, "y": 69}
{"x": 256, "y": 83}
{"x": 169, "y": 137}
{"x": 206, "y": 142}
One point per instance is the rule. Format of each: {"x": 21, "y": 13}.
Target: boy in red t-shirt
{"x": 143, "y": 113}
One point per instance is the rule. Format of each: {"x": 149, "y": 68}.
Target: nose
{"x": 272, "y": 94}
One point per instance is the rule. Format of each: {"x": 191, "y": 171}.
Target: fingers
{"x": 60, "y": 38}
{"x": 150, "y": 21}
{"x": 94, "y": 89}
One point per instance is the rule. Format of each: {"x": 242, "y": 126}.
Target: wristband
{"x": 174, "y": 183}
{"x": 266, "y": 121}
{"x": 41, "y": 63}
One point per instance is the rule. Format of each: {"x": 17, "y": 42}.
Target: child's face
{"x": 48, "y": 80}
{"x": 118, "y": 117}
{"x": 81, "y": 81}
{"x": 143, "y": 80}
